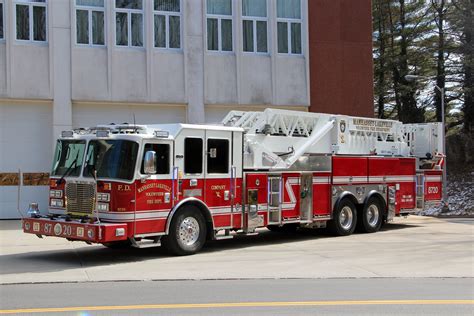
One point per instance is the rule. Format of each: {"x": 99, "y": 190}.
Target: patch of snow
{"x": 460, "y": 197}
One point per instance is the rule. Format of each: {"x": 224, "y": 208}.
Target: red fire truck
{"x": 182, "y": 184}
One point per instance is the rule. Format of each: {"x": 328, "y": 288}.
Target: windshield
{"x": 68, "y": 157}
{"x": 113, "y": 159}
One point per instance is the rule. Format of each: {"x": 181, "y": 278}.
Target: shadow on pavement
{"x": 98, "y": 255}
{"x": 392, "y": 226}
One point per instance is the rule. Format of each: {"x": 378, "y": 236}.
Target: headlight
{"x": 104, "y": 207}
{"x": 56, "y": 203}
{"x": 103, "y": 197}
{"x": 56, "y": 194}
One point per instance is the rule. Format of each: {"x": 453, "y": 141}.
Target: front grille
{"x": 80, "y": 197}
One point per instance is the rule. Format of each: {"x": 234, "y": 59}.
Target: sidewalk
{"x": 408, "y": 248}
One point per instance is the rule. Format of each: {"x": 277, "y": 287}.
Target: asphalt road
{"x": 245, "y": 297}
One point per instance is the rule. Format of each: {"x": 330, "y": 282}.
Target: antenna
{"x": 134, "y": 124}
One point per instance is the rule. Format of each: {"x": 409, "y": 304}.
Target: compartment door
{"x": 306, "y": 197}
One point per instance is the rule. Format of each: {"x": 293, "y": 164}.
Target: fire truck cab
{"x": 182, "y": 184}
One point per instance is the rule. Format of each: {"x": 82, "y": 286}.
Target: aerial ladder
{"x": 276, "y": 139}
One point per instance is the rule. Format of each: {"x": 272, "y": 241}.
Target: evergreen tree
{"x": 463, "y": 25}
{"x": 401, "y": 28}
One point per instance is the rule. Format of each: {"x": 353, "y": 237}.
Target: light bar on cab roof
{"x": 161, "y": 134}
{"x": 67, "y": 134}
{"x": 102, "y": 133}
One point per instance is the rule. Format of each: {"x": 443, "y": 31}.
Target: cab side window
{"x": 193, "y": 155}
{"x": 162, "y": 157}
{"x": 218, "y": 156}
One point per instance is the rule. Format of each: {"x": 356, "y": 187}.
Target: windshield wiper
{"x": 92, "y": 167}
{"x": 74, "y": 163}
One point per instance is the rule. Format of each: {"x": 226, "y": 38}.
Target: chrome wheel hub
{"x": 189, "y": 231}
{"x": 372, "y": 215}
{"x": 346, "y": 217}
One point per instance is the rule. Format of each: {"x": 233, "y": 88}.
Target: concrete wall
{"x": 153, "y": 75}
{"x": 92, "y": 114}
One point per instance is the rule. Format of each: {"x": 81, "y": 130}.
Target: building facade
{"x": 76, "y": 63}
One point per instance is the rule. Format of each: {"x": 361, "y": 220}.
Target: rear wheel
{"x": 344, "y": 218}
{"x": 187, "y": 233}
{"x": 371, "y": 217}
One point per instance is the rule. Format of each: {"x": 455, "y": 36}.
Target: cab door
{"x": 189, "y": 162}
{"x": 154, "y": 192}
{"x": 218, "y": 186}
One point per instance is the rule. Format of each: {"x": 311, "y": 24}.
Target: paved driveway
{"x": 412, "y": 247}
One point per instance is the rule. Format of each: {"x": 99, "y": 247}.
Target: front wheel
{"x": 344, "y": 218}
{"x": 187, "y": 233}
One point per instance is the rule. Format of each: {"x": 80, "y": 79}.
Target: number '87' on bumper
{"x": 96, "y": 233}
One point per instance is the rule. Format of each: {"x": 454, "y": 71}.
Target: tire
{"x": 187, "y": 233}
{"x": 118, "y": 244}
{"x": 371, "y": 217}
{"x": 288, "y": 228}
{"x": 344, "y": 219}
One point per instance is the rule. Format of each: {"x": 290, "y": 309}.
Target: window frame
{"x": 167, "y": 15}
{"x": 288, "y": 22}
{"x": 219, "y": 18}
{"x": 2, "y": 39}
{"x": 30, "y": 5}
{"x": 202, "y": 153}
{"x": 129, "y": 25}
{"x": 89, "y": 10}
{"x": 170, "y": 159}
{"x": 254, "y": 20}
{"x": 229, "y": 155}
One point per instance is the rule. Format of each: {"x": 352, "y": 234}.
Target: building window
{"x": 289, "y": 26}
{"x": 167, "y": 23}
{"x": 219, "y": 25}
{"x": 2, "y": 36}
{"x": 90, "y": 22}
{"x": 193, "y": 155}
{"x": 30, "y": 20}
{"x": 129, "y": 23}
{"x": 254, "y": 26}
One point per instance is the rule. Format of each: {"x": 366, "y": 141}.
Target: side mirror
{"x": 149, "y": 163}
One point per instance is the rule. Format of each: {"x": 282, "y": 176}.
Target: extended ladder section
{"x": 276, "y": 139}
